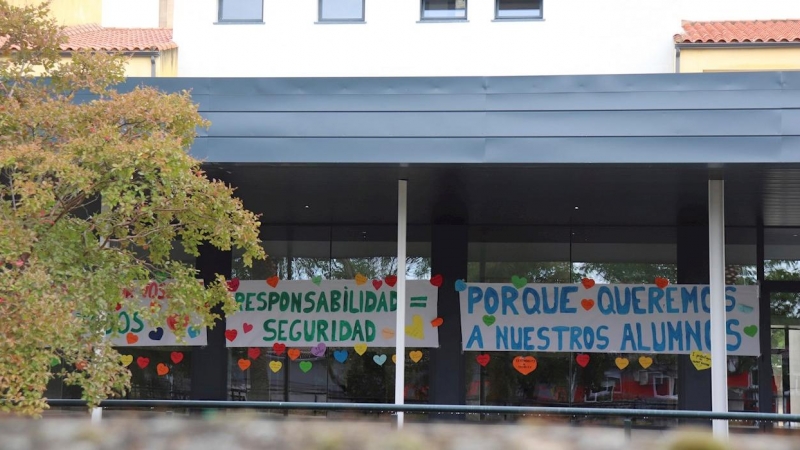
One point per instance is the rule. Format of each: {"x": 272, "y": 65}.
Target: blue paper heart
{"x": 379, "y": 359}
{"x": 745, "y": 308}
{"x": 156, "y": 334}
{"x": 193, "y": 332}
{"x": 460, "y": 285}
{"x": 340, "y": 355}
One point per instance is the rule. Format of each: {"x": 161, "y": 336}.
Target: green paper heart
{"x": 316, "y": 280}
{"x": 160, "y": 276}
{"x": 489, "y": 320}
{"x": 751, "y": 330}
{"x": 54, "y": 361}
{"x": 519, "y": 282}
{"x": 305, "y": 366}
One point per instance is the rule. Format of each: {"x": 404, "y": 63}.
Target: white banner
{"x": 133, "y": 331}
{"x": 334, "y": 313}
{"x": 603, "y": 318}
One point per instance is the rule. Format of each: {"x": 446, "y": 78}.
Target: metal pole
{"x": 716, "y": 266}
{"x": 400, "y": 325}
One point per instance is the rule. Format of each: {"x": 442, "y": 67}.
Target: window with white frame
{"x": 241, "y": 10}
{"x": 341, "y": 10}
{"x": 518, "y": 9}
{"x": 444, "y": 9}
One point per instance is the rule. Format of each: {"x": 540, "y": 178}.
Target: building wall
{"x": 131, "y": 13}
{"x": 70, "y": 12}
{"x": 739, "y": 59}
{"x": 575, "y": 37}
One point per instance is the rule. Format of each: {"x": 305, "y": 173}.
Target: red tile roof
{"x": 739, "y": 31}
{"x": 95, "y": 37}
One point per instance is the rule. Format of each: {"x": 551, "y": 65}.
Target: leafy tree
{"x": 93, "y": 195}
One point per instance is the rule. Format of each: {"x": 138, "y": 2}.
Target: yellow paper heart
{"x": 415, "y": 356}
{"x": 622, "y": 363}
{"x": 394, "y": 359}
{"x": 275, "y": 366}
{"x": 360, "y": 348}
{"x": 416, "y": 330}
{"x": 387, "y": 333}
{"x": 645, "y": 361}
{"x": 701, "y": 360}
{"x": 360, "y": 279}
{"x": 126, "y": 360}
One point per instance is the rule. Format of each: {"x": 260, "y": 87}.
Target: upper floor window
{"x": 518, "y": 9}
{"x": 341, "y": 10}
{"x": 444, "y": 9}
{"x": 241, "y": 10}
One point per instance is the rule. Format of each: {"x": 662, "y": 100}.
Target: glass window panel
{"x": 341, "y": 10}
{"x": 782, "y": 254}
{"x": 444, "y": 9}
{"x": 241, "y": 9}
{"x": 507, "y": 9}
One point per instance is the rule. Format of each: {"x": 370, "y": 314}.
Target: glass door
{"x": 785, "y": 350}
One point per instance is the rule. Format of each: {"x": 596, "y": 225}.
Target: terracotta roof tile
{"x": 95, "y": 37}
{"x": 739, "y": 31}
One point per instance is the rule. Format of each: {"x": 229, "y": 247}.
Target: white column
{"x": 97, "y": 415}
{"x": 400, "y": 326}
{"x": 716, "y": 267}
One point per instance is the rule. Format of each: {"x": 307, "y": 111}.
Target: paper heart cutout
{"x": 172, "y": 322}
{"x": 246, "y": 327}
{"x": 645, "y": 361}
{"x": 387, "y": 333}
{"x": 142, "y": 362}
{"x": 273, "y": 281}
{"x": 156, "y": 334}
{"x": 318, "y": 350}
{"x": 176, "y": 357}
{"x": 379, "y": 359}
{"x": 587, "y": 304}
{"x": 622, "y": 363}
{"x": 750, "y": 330}
{"x": 360, "y": 279}
{"x": 233, "y": 285}
{"x": 244, "y": 364}
{"x": 126, "y": 360}
{"x": 377, "y": 284}
{"x": 278, "y": 348}
{"x": 587, "y": 283}
{"x": 193, "y": 332}
{"x": 489, "y": 320}
{"x": 116, "y": 308}
{"x": 415, "y": 355}
{"x": 131, "y": 338}
{"x": 81, "y": 365}
{"x": 519, "y": 282}
{"x": 316, "y": 280}
{"x": 661, "y": 282}
{"x": 744, "y": 308}
{"x": 360, "y": 349}
{"x": 305, "y": 366}
{"x": 582, "y": 359}
{"x": 483, "y": 359}
{"x": 391, "y": 280}
{"x": 524, "y": 364}
{"x": 293, "y": 353}
{"x": 162, "y": 369}
{"x": 437, "y": 322}
{"x": 160, "y": 276}
{"x": 437, "y": 280}
{"x": 253, "y": 353}
{"x": 340, "y": 355}
{"x": 231, "y": 335}
{"x": 275, "y": 366}
{"x": 394, "y": 359}
{"x": 460, "y": 285}
{"x": 54, "y": 361}
{"x": 416, "y": 330}
{"x": 700, "y": 360}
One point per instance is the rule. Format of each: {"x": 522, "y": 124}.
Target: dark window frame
{"x": 321, "y": 19}
{"x": 422, "y": 17}
{"x": 221, "y": 19}
{"x": 497, "y": 16}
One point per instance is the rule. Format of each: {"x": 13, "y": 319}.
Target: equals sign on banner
{"x": 419, "y": 302}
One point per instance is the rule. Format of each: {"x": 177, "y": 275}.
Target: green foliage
{"x": 65, "y": 254}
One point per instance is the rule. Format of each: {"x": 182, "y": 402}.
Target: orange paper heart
{"x": 131, "y": 338}
{"x": 437, "y": 322}
{"x": 293, "y": 353}
{"x": 244, "y": 364}
{"x": 162, "y": 369}
{"x": 525, "y": 364}
{"x": 662, "y": 282}
{"x": 387, "y": 333}
{"x": 273, "y": 281}
{"x": 587, "y": 283}
{"x": 587, "y": 303}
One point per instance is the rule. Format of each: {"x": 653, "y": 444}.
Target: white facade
{"x": 130, "y": 13}
{"x": 574, "y": 37}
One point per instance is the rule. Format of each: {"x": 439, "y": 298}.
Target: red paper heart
{"x": 131, "y": 338}
{"x": 118, "y": 307}
{"x": 126, "y": 293}
{"x": 176, "y": 357}
{"x": 142, "y": 362}
{"x": 391, "y": 280}
{"x": 81, "y": 365}
{"x": 437, "y": 280}
{"x": 231, "y": 334}
{"x": 278, "y": 348}
{"x": 582, "y": 359}
{"x": 246, "y": 327}
{"x": 377, "y": 284}
{"x": 172, "y": 322}
{"x": 233, "y": 285}
{"x": 273, "y": 281}
{"x": 587, "y": 303}
{"x": 437, "y": 322}
{"x": 662, "y": 282}
{"x": 587, "y": 283}
{"x": 253, "y": 353}
{"x": 483, "y": 359}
